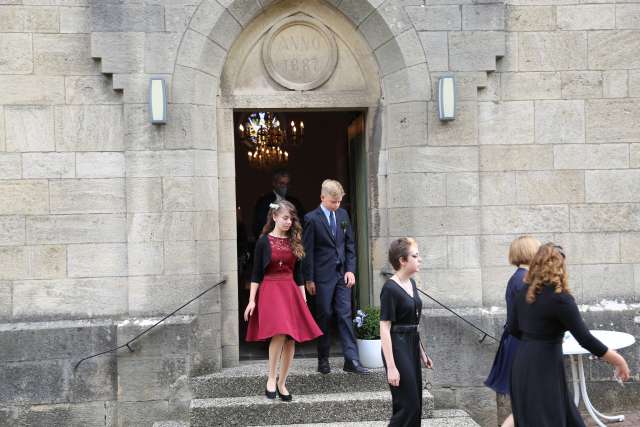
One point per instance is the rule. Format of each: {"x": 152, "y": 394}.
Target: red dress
{"x": 280, "y": 307}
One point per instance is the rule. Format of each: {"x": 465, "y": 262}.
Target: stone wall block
{"x": 63, "y": 54}
{"x": 29, "y": 129}
{"x": 180, "y": 257}
{"x": 13, "y": 258}
{"x": 243, "y": 10}
{"x": 147, "y": 164}
{"x": 587, "y": 17}
{"x": 614, "y": 49}
{"x": 51, "y": 229}
{"x": 46, "y": 262}
{"x": 29, "y": 197}
{"x": 634, "y": 155}
{"x": 207, "y": 226}
{"x": 403, "y": 51}
{"x": 82, "y": 298}
{"x": 161, "y": 226}
{"x": 524, "y": 219}
{"x": 436, "y": 49}
{"x": 226, "y": 30}
{"x": 615, "y": 84}
{"x": 436, "y": 18}
{"x": 177, "y": 16}
{"x": 89, "y": 128}
{"x": 612, "y": 120}
{"x": 515, "y": 157}
{"x": 10, "y": 166}
{"x": 630, "y": 248}
{"x": 475, "y": 50}
{"x": 206, "y": 16}
{"x": 468, "y": 85}
{"x": 463, "y": 251}
{"x": 494, "y": 282}
{"x": 628, "y": 16}
{"x": 463, "y": 189}
{"x": 527, "y": 86}
{"x": 197, "y": 51}
{"x": 97, "y": 260}
{"x": 497, "y": 188}
{"x": 434, "y": 220}
{"x": 374, "y": 28}
{"x": 591, "y": 156}
{"x": 591, "y": 248}
{"x": 406, "y": 124}
{"x": 551, "y": 51}
{"x": 559, "y": 122}
{"x": 494, "y": 250}
{"x": 455, "y": 288}
{"x": 144, "y": 194}
{"x": 32, "y": 90}
{"x": 193, "y": 86}
{"x": 191, "y": 126}
{"x": 100, "y": 165}
{"x": 601, "y": 281}
{"x": 124, "y": 17}
{"x": 357, "y": 11}
{"x": 605, "y": 217}
{"x": 159, "y": 295}
{"x": 420, "y": 189}
{"x": 506, "y": 122}
{"x": 433, "y": 250}
{"x": 530, "y": 18}
{"x": 91, "y": 90}
{"x": 34, "y": 382}
{"x": 208, "y": 255}
{"x": 17, "y": 53}
{"x": 484, "y": 17}
{"x": 75, "y": 19}
{"x": 88, "y": 196}
{"x": 582, "y": 84}
{"x": 139, "y": 132}
{"x": 118, "y": 52}
{"x": 433, "y": 159}
{"x": 12, "y": 230}
{"x": 611, "y": 186}
{"x": 145, "y": 258}
{"x": 160, "y": 52}
{"x": 461, "y": 131}
{"x": 408, "y": 84}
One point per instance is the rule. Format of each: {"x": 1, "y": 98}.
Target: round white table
{"x": 571, "y": 348}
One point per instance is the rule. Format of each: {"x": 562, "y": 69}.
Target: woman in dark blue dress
{"x": 521, "y": 252}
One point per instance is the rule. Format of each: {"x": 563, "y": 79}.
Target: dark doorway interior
{"x": 324, "y": 153}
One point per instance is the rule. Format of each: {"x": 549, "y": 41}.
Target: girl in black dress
{"x": 540, "y": 316}
{"x": 400, "y": 309}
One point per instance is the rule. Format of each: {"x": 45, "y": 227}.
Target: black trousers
{"x": 407, "y": 397}
{"x": 334, "y": 299}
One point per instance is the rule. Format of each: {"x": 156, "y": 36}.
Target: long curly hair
{"x": 547, "y": 268}
{"x": 295, "y": 231}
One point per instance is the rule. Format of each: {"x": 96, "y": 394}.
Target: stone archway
{"x": 211, "y": 72}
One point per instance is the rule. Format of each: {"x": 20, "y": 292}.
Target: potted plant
{"x": 367, "y": 326}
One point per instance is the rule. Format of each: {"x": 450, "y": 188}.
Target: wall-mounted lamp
{"x": 158, "y": 100}
{"x": 447, "y": 98}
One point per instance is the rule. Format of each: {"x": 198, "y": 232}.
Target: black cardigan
{"x": 262, "y": 258}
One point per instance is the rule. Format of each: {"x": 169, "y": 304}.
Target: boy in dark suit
{"x": 328, "y": 268}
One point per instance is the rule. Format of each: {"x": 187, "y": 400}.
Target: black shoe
{"x": 284, "y": 397}
{"x": 323, "y": 366}
{"x": 355, "y": 367}
{"x": 270, "y": 394}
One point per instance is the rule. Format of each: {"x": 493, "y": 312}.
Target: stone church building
{"x": 108, "y": 221}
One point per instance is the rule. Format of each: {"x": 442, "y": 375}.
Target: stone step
{"x": 250, "y": 379}
{"x": 319, "y": 408}
{"x": 440, "y": 418}
{"x": 171, "y": 424}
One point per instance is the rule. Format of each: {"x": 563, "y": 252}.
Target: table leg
{"x": 587, "y": 403}
{"x": 576, "y": 381}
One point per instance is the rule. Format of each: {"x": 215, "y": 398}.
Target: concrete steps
{"x": 324, "y": 407}
{"x": 440, "y": 418}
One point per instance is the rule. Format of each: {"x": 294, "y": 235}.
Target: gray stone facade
{"x": 106, "y": 219}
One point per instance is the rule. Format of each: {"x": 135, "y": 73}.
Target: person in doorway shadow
{"x": 328, "y": 270}
{"x": 280, "y": 191}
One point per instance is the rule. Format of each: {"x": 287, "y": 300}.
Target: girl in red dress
{"x": 277, "y": 306}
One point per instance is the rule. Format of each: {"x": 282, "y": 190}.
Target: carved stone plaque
{"x": 300, "y": 53}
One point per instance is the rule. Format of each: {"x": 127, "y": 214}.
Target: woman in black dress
{"x": 400, "y": 309}
{"x": 541, "y": 314}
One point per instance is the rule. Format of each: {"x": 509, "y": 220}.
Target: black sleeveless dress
{"x": 402, "y": 309}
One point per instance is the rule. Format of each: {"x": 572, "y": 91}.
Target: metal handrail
{"x": 127, "y": 344}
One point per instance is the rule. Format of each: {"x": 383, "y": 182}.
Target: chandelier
{"x": 267, "y": 139}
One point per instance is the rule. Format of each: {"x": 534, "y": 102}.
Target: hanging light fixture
{"x": 267, "y": 139}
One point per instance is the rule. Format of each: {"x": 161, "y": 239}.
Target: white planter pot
{"x": 370, "y": 353}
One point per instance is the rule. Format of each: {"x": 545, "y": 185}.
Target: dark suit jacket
{"x": 324, "y": 254}
{"x": 262, "y": 258}
{"x": 261, "y": 210}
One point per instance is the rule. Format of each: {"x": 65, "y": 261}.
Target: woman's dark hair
{"x": 294, "y": 233}
{"x": 399, "y": 250}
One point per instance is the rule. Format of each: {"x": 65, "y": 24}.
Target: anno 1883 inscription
{"x": 300, "y": 53}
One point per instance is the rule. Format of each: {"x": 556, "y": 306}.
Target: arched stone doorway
{"x": 219, "y": 69}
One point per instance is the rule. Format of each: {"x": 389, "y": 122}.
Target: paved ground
{"x": 632, "y": 419}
